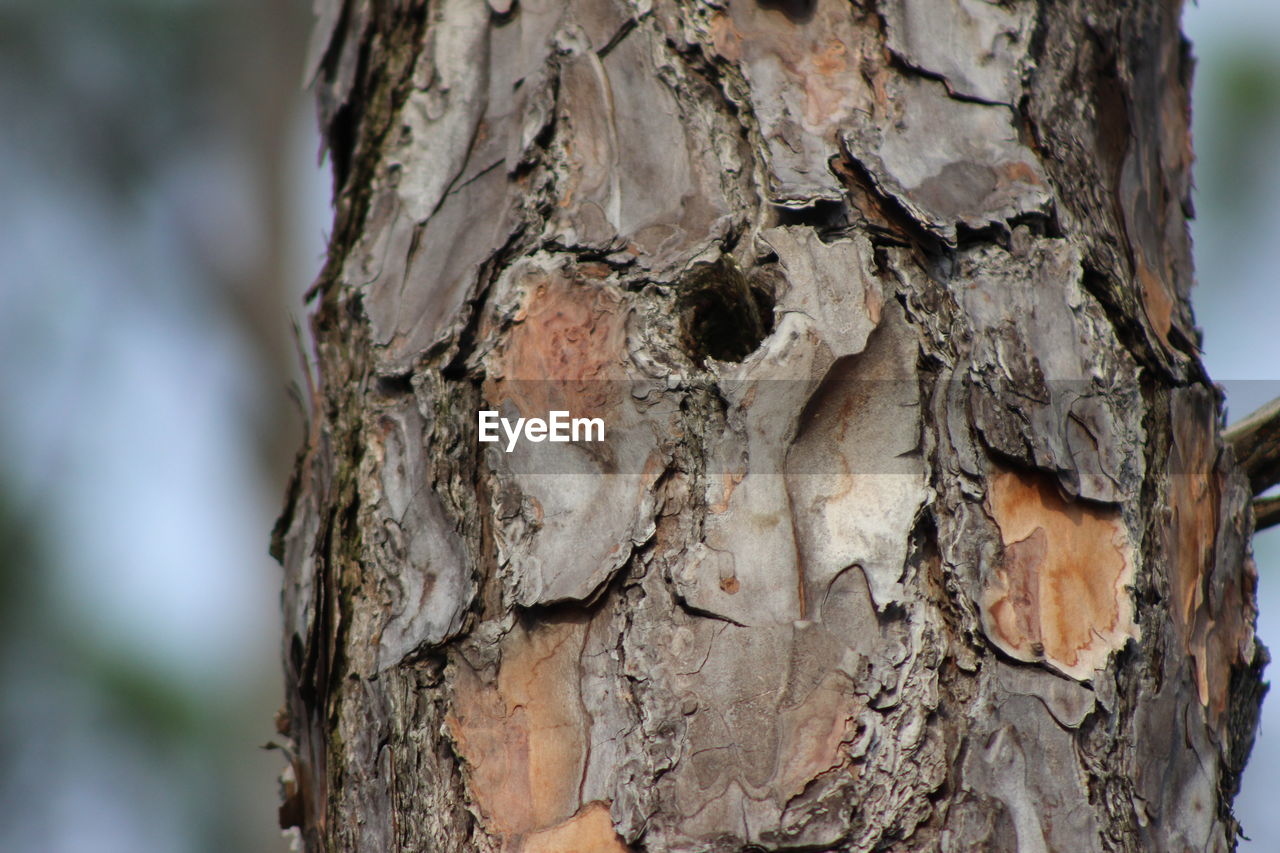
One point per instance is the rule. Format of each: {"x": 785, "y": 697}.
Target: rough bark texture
{"x": 914, "y": 529}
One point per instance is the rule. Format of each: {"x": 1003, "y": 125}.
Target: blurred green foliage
{"x": 1238, "y": 116}
{"x": 102, "y": 90}
{"x": 108, "y": 105}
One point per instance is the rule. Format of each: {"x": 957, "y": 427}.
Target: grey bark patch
{"x": 979, "y": 48}
{"x": 1068, "y": 701}
{"x": 857, "y": 483}
{"x": 419, "y": 558}
{"x": 1174, "y": 790}
{"x": 1022, "y": 757}
{"x": 805, "y": 85}
{"x": 667, "y": 204}
{"x": 750, "y": 565}
{"x": 1078, "y": 404}
{"x": 947, "y": 162}
{"x": 441, "y": 120}
{"x": 424, "y": 274}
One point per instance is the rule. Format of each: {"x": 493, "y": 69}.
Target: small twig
{"x": 1266, "y": 513}
{"x": 1256, "y": 441}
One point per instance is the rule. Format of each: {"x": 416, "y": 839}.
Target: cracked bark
{"x": 915, "y": 528}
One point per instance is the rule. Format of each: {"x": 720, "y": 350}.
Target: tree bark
{"x": 913, "y": 528}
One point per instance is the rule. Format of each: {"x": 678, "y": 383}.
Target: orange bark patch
{"x": 828, "y": 87}
{"x": 524, "y": 738}
{"x": 1192, "y": 530}
{"x": 819, "y": 51}
{"x": 1059, "y": 595}
{"x": 1156, "y": 301}
{"x": 725, "y": 37}
{"x": 1018, "y": 171}
{"x": 1218, "y": 634}
{"x": 1193, "y": 505}
{"x": 873, "y": 298}
{"x": 1220, "y": 645}
{"x": 728, "y": 482}
{"x": 814, "y": 735}
{"x": 565, "y": 350}
{"x": 589, "y": 831}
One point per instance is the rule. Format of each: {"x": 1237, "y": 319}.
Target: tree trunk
{"x": 912, "y": 528}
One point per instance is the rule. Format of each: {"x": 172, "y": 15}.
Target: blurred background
{"x": 163, "y": 209}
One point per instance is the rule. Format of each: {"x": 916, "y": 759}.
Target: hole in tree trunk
{"x": 723, "y": 315}
{"x": 797, "y": 11}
